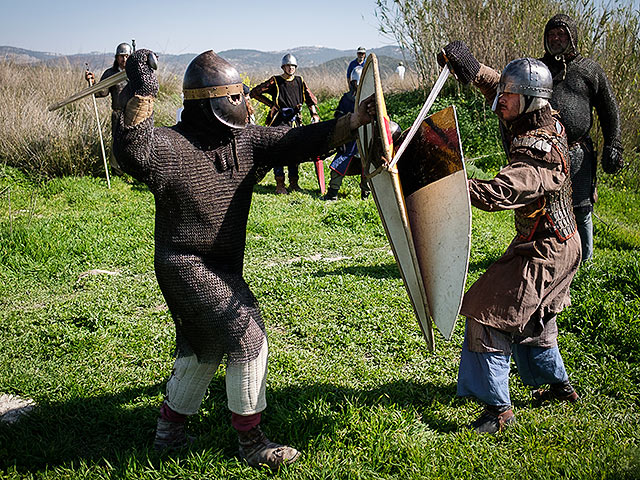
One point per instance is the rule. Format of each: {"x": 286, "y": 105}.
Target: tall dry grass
{"x": 500, "y": 30}
{"x": 65, "y": 141}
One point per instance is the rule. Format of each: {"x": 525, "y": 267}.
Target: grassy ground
{"x": 87, "y": 335}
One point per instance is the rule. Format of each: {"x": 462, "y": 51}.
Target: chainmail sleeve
{"x": 136, "y": 149}
{"x": 606, "y": 106}
{"x": 273, "y": 146}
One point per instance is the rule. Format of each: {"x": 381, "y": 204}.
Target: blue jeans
{"x": 485, "y": 376}
{"x": 585, "y": 231}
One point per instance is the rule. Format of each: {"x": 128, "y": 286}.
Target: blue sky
{"x": 69, "y": 27}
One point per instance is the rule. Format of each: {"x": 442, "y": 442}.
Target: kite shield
{"x": 376, "y": 149}
{"x": 434, "y": 183}
{"x": 423, "y": 201}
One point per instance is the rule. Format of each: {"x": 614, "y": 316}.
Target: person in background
{"x": 361, "y": 54}
{"x": 123, "y": 51}
{"x": 400, "y": 71}
{"x": 347, "y": 159}
{"x": 285, "y": 94}
{"x": 511, "y": 309}
{"x": 580, "y": 86}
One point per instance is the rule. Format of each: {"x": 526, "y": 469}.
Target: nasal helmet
{"x": 527, "y": 77}
{"x": 124, "y": 49}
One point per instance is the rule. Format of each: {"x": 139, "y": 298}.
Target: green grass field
{"x": 86, "y": 334}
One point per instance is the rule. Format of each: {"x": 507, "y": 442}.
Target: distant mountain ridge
{"x": 246, "y": 61}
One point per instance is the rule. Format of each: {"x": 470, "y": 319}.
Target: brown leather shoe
{"x": 493, "y": 419}
{"x": 561, "y": 392}
{"x": 293, "y": 185}
{"x": 280, "y": 188}
{"x": 258, "y": 451}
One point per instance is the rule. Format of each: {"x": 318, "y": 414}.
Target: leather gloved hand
{"x": 142, "y": 87}
{"x": 460, "y": 60}
{"x": 612, "y": 160}
{"x": 140, "y": 69}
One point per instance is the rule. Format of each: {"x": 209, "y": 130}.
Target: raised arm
{"x": 133, "y": 133}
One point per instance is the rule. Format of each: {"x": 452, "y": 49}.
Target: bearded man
{"x": 202, "y": 172}
{"x": 511, "y": 309}
{"x": 579, "y": 86}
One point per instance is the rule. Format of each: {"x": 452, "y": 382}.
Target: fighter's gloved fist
{"x": 459, "y": 59}
{"x": 140, "y": 69}
{"x": 142, "y": 87}
{"x": 612, "y": 160}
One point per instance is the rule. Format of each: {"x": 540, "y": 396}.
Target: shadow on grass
{"x": 106, "y": 429}
{"x": 261, "y": 189}
{"x": 382, "y": 271}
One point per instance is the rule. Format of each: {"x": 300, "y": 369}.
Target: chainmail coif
{"x": 202, "y": 175}
{"x": 579, "y": 85}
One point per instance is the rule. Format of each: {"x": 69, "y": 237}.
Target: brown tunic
{"x": 532, "y": 278}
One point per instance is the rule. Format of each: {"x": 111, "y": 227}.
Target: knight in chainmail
{"x": 511, "y": 309}
{"x": 579, "y": 86}
{"x": 202, "y": 172}
{"x": 123, "y": 51}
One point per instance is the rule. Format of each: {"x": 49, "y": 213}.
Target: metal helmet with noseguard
{"x": 211, "y": 79}
{"x": 528, "y": 77}
{"x": 124, "y": 49}
{"x": 289, "y": 59}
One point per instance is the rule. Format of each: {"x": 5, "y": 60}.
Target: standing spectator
{"x": 361, "y": 54}
{"x": 400, "y": 71}
{"x": 286, "y": 95}
{"x": 123, "y": 51}
{"x": 347, "y": 159}
{"x": 579, "y": 86}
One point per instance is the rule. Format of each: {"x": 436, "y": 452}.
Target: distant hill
{"x": 246, "y": 61}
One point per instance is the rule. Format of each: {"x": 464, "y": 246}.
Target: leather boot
{"x": 293, "y": 185}
{"x": 280, "y": 188}
{"x": 331, "y": 195}
{"x": 257, "y": 450}
{"x": 493, "y": 419}
{"x": 561, "y": 392}
{"x": 171, "y": 436}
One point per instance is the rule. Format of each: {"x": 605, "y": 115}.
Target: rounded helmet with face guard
{"x": 529, "y": 78}
{"x": 289, "y": 59}
{"x": 212, "y": 81}
{"x": 123, "y": 49}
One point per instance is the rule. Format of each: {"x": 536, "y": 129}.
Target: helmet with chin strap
{"x": 531, "y": 79}
{"x": 212, "y": 82}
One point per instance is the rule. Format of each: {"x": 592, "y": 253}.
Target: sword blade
{"x": 106, "y": 83}
{"x": 444, "y": 74}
